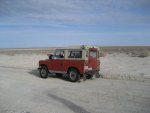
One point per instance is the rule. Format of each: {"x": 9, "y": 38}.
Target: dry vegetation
{"x": 133, "y": 51}
{"x": 29, "y": 51}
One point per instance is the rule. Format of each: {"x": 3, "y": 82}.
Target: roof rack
{"x": 79, "y": 47}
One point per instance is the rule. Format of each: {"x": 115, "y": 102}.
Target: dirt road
{"x": 22, "y": 91}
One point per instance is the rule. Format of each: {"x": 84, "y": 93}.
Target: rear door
{"x": 92, "y": 60}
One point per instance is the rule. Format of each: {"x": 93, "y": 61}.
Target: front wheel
{"x": 73, "y": 75}
{"x": 44, "y": 72}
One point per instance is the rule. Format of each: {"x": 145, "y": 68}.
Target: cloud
{"x": 78, "y": 11}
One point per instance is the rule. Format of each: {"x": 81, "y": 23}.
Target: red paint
{"x": 62, "y": 65}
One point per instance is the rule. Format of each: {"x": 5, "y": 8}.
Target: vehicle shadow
{"x": 35, "y": 72}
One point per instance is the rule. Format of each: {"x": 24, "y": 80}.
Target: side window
{"x": 75, "y": 54}
{"x": 87, "y": 53}
{"x": 59, "y": 54}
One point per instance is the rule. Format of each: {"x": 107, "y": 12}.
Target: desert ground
{"x": 123, "y": 88}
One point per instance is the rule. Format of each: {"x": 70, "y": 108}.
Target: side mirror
{"x": 51, "y": 56}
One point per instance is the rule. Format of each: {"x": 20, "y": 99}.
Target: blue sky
{"x": 51, "y": 23}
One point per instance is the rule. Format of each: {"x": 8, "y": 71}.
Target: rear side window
{"x": 75, "y": 54}
{"x": 93, "y": 54}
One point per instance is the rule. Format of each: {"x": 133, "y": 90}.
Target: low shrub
{"x": 102, "y": 54}
{"x": 144, "y": 54}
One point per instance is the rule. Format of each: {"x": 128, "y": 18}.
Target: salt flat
{"x": 125, "y": 87}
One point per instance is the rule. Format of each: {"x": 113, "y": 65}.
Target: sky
{"x": 56, "y": 23}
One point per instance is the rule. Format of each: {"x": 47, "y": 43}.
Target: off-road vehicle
{"x": 73, "y": 62}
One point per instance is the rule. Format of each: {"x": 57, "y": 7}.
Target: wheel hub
{"x": 43, "y": 72}
{"x": 73, "y": 75}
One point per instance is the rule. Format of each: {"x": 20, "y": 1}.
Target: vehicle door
{"x": 49, "y": 62}
{"x": 92, "y": 60}
{"x": 57, "y": 62}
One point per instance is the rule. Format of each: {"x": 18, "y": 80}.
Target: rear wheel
{"x": 73, "y": 75}
{"x": 89, "y": 76}
{"x": 44, "y": 72}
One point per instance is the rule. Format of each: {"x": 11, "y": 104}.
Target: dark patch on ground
{"x": 34, "y": 72}
{"x": 75, "y": 108}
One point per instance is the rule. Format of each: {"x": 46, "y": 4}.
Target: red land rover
{"x": 74, "y": 62}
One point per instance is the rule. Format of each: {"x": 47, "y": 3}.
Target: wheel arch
{"x": 43, "y": 65}
{"x": 72, "y": 67}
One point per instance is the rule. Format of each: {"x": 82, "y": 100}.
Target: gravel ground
{"x": 22, "y": 91}
{"x": 122, "y": 66}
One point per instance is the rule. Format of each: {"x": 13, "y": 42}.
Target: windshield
{"x": 59, "y": 54}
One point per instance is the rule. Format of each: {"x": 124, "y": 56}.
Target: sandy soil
{"x": 126, "y": 89}
{"x": 122, "y": 66}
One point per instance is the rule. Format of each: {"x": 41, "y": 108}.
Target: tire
{"x": 89, "y": 76}
{"x": 73, "y": 75}
{"x": 43, "y": 72}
